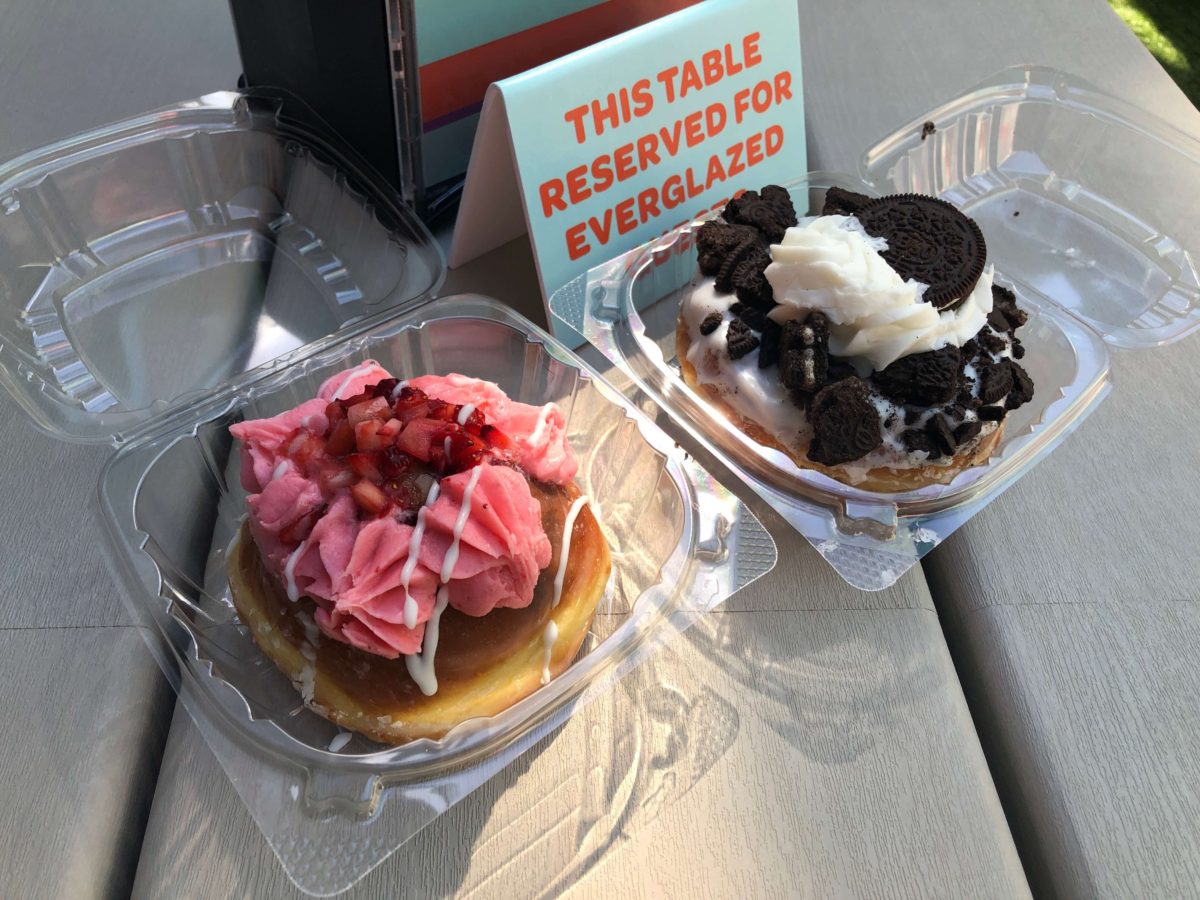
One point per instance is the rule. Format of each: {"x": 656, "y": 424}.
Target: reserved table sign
{"x": 604, "y": 149}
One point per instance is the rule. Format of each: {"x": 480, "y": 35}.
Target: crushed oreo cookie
{"x": 804, "y": 353}
{"x": 716, "y": 240}
{"x": 739, "y": 339}
{"x": 998, "y": 320}
{"x": 840, "y": 202}
{"x": 1022, "y": 391}
{"x": 967, "y": 432}
{"x": 916, "y": 440}
{"x": 927, "y": 129}
{"x": 921, "y": 379}
{"x": 845, "y": 423}
{"x": 769, "y": 210}
{"x": 711, "y": 323}
{"x": 1004, "y": 301}
{"x": 751, "y": 315}
{"x": 749, "y": 251}
{"x": 996, "y": 382}
{"x": 941, "y": 435}
{"x": 930, "y": 241}
{"x": 991, "y": 413}
{"x": 768, "y": 346}
{"x": 992, "y": 342}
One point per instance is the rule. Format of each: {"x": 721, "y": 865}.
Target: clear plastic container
{"x": 145, "y": 263}
{"x": 167, "y": 276}
{"x": 1095, "y": 256}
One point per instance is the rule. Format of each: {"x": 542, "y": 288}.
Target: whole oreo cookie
{"x": 929, "y": 241}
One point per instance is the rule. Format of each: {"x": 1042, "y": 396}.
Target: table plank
{"x": 1089, "y": 715}
{"x": 801, "y": 753}
{"x": 85, "y": 719}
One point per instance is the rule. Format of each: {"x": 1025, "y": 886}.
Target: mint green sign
{"x": 616, "y": 144}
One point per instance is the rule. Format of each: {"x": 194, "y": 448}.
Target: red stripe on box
{"x": 459, "y": 81}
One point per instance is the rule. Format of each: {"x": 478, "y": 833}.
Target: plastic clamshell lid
{"x": 1088, "y": 200}
{"x": 150, "y": 263}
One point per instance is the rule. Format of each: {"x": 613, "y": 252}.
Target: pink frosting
{"x": 352, "y": 381}
{"x": 353, "y": 566}
{"x": 263, "y": 440}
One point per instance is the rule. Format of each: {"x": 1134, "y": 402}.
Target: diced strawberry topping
{"x": 375, "y": 408}
{"x": 369, "y": 497}
{"x": 341, "y": 439}
{"x": 495, "y": 438}
{"x": 304, "y": 447}
{"x": 389, "y": 441}
{"x": 419, "y": 436}
{"x": 335, "y": 477}
{"x": 369, "y": 435}
{"x": 335, "y": 412}
{"x": 365, "y": 465}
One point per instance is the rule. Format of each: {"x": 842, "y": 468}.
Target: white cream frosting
{"x": 830, "y": 263}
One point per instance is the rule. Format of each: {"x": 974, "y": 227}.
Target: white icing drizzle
{"x": 414, "y": 550}
{"x": 289, "y": 572}
{"x": 282, "y": 466}
{"x": 540, "y": 428}
{"x": 420, "y": 665}
{"x": 340, "y": 740}
{"x": 346, "y": 379}
{"x": 549, "y": 637}
{"x": 311, "y": 631}
{"x": 568, "y": 527}
{"x": 460, "y": 524}
{"x": 465, "y": 413}
{"x": 400, "y": 385}
{"x": 446, "y": 446}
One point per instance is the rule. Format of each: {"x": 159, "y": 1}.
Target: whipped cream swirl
{"x": 831, "y": 264}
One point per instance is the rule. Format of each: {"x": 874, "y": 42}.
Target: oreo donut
{"x": 868, "y": 341}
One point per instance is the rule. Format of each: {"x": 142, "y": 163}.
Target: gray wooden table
{"x": 830, "y": 748}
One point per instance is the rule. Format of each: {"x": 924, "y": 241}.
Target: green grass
{"x": 1170, "y": 29}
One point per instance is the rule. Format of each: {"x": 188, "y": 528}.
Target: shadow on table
{"x": 830, "y": 684}
{"x": 546, "y": 821}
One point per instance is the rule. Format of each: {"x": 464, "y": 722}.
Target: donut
{"x": 415, "y": 554}
{"x": 870, "y": 342}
